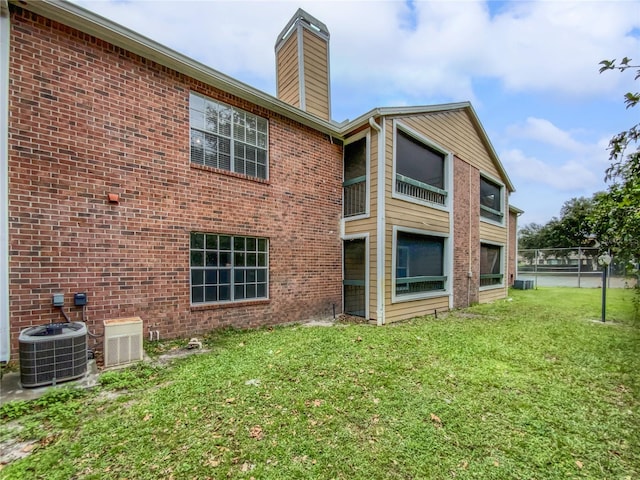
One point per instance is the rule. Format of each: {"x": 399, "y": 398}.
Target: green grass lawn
{"x": 527, "y": 388}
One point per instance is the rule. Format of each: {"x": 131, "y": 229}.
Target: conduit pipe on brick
{"x": 5, "y": 32}
{"x": 380, "y": 278}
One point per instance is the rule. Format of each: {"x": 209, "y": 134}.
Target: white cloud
{"x": 556, "y": 45}
{"x": 546, "y": 132}
{"x": 387, "y": 53}
{"x": 566, "y": 176}
{"x": 433, "y": 51}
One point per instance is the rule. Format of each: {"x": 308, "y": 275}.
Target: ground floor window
{"x": 490, "y": 265}
{"x": 419, "y": 264}
{"x": 226, "y": 268}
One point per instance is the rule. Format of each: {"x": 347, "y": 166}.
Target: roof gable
{"x": 454, "y": 125}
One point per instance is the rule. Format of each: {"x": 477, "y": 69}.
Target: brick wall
{"x": 466, "y": 221}
{"x": 88, "y": 119}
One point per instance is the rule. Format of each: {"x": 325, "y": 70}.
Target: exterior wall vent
{"x": 122, "y": 341}
{"x": 52, "y": 353}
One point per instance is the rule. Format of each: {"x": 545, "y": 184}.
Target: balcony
{"x": 490, "y": 279}
{"x": 416, "y": 189}
{"x": 354, "y": 196}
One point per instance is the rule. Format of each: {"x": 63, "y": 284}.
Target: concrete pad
{"x": 11, "y": 389}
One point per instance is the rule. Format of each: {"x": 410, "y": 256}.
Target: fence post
{"x": 535, "y": 268}
{"x": 579, "y": 264}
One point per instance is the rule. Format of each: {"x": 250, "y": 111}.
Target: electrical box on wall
{"x": 80, "y": 299}
{"x": 58, "y": 299}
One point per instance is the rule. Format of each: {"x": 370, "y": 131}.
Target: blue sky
{"x": 530, "y": 69}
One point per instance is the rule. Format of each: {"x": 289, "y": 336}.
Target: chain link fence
{"x": 570, "y": 267}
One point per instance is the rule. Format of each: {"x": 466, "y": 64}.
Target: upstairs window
{"x": 491, "y": 200}
{"x": 355, "y": 178}
{"x": 228, "y": 138}
{"x": 490, "y": 265}
{"x": 420, "y": 169}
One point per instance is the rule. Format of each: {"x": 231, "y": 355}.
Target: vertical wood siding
{"x": 316, "y": 74}
{"x": 288, "y": 72}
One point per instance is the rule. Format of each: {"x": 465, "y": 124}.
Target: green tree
{"x": 530, "y": 237}
{"x": 616, "y": 214}
{"x": 568, "y": 231}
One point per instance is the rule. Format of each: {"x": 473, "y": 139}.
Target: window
{"x": 491, "y": 200}
{"x": 419, "y": 263}
{"x": 490, "y": 265}
{"x": 420, "y": 169}
{"x": 355, "y": 178}
{"x": 225, "y": 268}
{"x": 228, "y": 138}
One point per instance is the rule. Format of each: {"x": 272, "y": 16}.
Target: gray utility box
{"x": 523, "y": 284}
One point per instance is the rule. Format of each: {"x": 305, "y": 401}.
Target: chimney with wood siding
{"x": 302, "y": 65}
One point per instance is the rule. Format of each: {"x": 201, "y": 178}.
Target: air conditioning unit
{"x": 52, "y": 353}
{"x": 122, "y": 341}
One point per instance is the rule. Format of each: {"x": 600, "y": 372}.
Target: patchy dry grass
{"x": 526, "y": 388}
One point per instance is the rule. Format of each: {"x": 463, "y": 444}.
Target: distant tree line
{"x": 572, "y": 229}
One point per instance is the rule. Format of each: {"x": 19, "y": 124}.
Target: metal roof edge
{"x": 93, "y": 24}
{"x": 308, "y": 19}
{"x": 348, "y": 125}
{"x": 492, "y": 150}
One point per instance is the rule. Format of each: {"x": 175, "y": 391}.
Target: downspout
{"x": 452, "y": 234}
{"x": 470, "y": 260}
{"x": 5, "y": 27}
{"x": 381, "y": 223}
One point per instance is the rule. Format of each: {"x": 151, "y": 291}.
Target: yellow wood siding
{"x": 373, "y": 170}
{"x": 287, "y": 72}
{"x": 316, "y": 74}
{"x": 405, "y": 213}
{"x": 494, "y": 233}
{"x": 412, "y": 215}
{"x": 405, "y": 310}
{"x": 455, "y": 132}
{"x": 364, "y": 225}
{"x": 493, "y": 294}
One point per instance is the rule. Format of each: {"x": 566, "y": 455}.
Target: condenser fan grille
{"x": 52, "y": 353}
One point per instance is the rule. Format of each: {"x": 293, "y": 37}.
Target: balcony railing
{"x": 355, "y": 196}
{"x": 491, "y": 279}
{"x": 421, "y": 191}
{"x": 491, "y": 214}
{"x": 409, "y": 285}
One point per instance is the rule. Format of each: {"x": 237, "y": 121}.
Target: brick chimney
{"x": 302, "y": 65}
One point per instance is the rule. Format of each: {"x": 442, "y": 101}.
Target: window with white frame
{"x": 227, "y": 268}
{"x": 490, "y": 265}
{"x": 419, "y": 263}
{"x": 491, "y": 200}
{"x": 228, "y": 138}
{"x": 420, "y": 169}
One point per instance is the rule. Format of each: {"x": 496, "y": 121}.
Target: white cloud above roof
{"x": 529, "y": 67}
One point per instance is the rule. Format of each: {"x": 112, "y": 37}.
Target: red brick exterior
{"x": 88, "y": 119}
{"x": 466, "y": 233}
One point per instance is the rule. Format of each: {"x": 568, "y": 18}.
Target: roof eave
{"x": 347, "y": 127}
